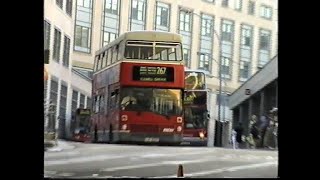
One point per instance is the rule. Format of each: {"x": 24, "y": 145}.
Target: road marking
{"x": 49, "y": 172}
{"x": 109, "y": 156}
{"x": 65, "y": 174}
{"x": 225, "y": 169}
{"x": 132, "y": 167}
{"x": 51, "y": 155}
{"x": 95, "y": 175}
{"x": 270, "y": 158}
{"x": 156, "y": 164}
{"x": 81, "y": 160}
{"x": 152, "y": 155}
{"x": 187, "y": 161}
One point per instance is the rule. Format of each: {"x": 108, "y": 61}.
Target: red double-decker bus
{"x": 195, "y": 108}
{"x": 138, "y": 87}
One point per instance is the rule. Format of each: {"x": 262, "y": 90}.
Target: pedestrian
{"x": 254, "y": 135}
{"x": 234, "y": 141}
{"x": 263, "y": 125}
{"x": 269, "y": 136}
{"x": 239, "y": 131}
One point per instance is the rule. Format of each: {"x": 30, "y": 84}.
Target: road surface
{"x": 111, "y": 160}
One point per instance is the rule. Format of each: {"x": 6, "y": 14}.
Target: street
{"x": 119, "y": 160}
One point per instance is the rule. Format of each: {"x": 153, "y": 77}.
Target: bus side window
{"x": 104, "y": 59}
{"x": 96, "y": 63}
{"x": 101, "y": 107}
{"x": 97, "y": 102}
{"x": 115, "y": 49}
{"x": 118, "y": 53}
{"x": 121, "y": 50}
{"x": 117, "y": 98}
{"x": 114, "y": 99}
{"x": 109, "y": 56}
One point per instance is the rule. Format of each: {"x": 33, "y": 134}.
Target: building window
{"x": 205, "y": 62}
{"x": 138, "y": 14}
{"x": 251, "y": 7}
{"x": 185, "y": 30}
{"x": 69, "y": 7}
{"x": 162, "y": 20}
{"x": 206, "y": 43}
{"x": 108, "y": 37}
{"x": 82, "y": 37}
{"x": 206, "y": 25}
{"x": 89, "y": 103}
{"x": 56, "y": 45}
{"x": 238, "y": 5}
{"x": 66, "y": 52}
{"x": 54, "y": 92}
{"x": 83, "y": 26}
{"x": 265, "y": 38}
{"x": 63, "y": 101}
{"x": 138, "y": 10}
{"x": 266, "y": 12}
{"x": 110, "y": 27}
{"x": 246, "y": 36}
{"x": 225, "y": 3}
{"x": 264, "y": 47}
{"x": 47, "y": 30}
{"x": 185, "y": 21}
{"x": 53, "y": 103}
{"x": 227, "y": 28}
{"x": 245, "y": 52}
{"x": 84, "y": 3}
{"x": 186, "y": 57}
{"x": 112, "y": 6}
{"x": 244, "y": 70}
{"x": 74, "y": 103}
{"x": 225, "y": 67}
{"x": 227, "y": 31}
{"x": 59, "y": 3}
{"x": 82, "y": 98}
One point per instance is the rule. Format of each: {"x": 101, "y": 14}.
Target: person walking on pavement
{"x": 239, "y": 132}
{"x": 254, "y": 135}
{"x": 233, "y": 139}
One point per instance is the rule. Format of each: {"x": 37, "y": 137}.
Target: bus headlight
{"x": 179, "y": 119}
{"x": 201, "y": 135}
{"x": 179, "y": 128}
{"x": 124, "y": 118}
{"x": 124, "y": 127}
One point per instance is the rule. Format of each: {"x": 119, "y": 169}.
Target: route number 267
{"x": 161, "y": 70}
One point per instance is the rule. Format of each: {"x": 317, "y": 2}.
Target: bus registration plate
{"x": 151, "y": 139}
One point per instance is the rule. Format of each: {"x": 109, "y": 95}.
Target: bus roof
{"x": 144, "y": 36}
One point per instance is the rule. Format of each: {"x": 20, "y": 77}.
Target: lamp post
{"x": 219, "y": 130}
